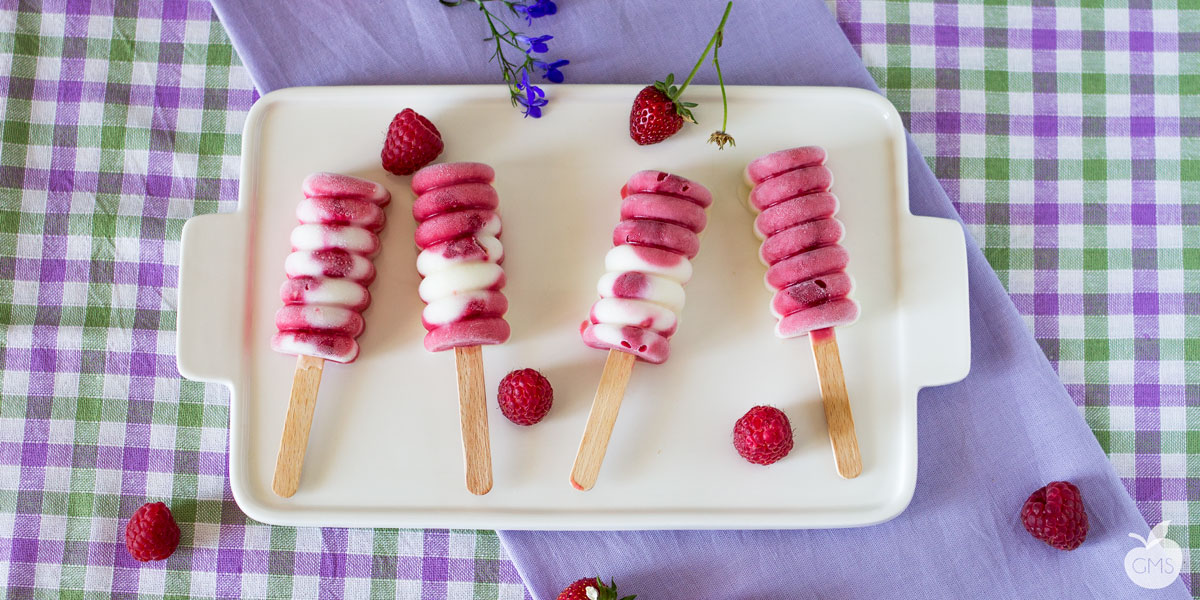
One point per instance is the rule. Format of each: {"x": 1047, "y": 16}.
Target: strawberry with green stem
{"x": 658, "y": 113}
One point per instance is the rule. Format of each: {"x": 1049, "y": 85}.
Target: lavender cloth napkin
{"x": 985, "y": 443}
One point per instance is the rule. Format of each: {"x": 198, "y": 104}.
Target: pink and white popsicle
{"x": 328, "y": 272}
{"x": 641, "y": 296}
{"x": 806, "y": 270}
{"x": 330, "y": 267}
{"x": 458, "y": 232}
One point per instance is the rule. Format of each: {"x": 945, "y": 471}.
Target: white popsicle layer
{"x": 632, "y": 258}
{"x": 484, "y": 248}
{"x": 317, "y": 236}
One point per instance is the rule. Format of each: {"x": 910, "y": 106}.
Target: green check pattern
{"x": 116, "y": 128}
{"x": 1067, "y": 134}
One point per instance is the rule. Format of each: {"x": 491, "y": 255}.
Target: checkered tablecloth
{"x": 1068, "y": 136}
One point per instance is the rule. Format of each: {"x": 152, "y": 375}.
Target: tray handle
{"x": 934, "y": 292}
{"x": 212, "y": 299}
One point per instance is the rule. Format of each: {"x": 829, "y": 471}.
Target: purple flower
{"x": 534, "y": 98}
{"x": 551, "y": 71}
{"x": 536, "y": 10}
{"x": 535, "y": 44}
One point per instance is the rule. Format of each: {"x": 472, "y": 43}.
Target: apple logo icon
{"x": 1155, "y": 564}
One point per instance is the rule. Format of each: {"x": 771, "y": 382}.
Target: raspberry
{"x": 1055, "y": 515}
{"x": 525, "y": 396}
{"x": 412, "y": 142}
{"x": 152, "y": 533}
{"x": 763, "y": 435}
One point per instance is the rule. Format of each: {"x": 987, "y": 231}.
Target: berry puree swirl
{"x": 806, "y": 265}
{"x": 458, "y": 232}
{"x": 641, "y": 294}
{"x": 330, "y": 267}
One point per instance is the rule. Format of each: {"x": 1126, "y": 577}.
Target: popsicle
{"x": 806, "y": 271}
{"x": 641, "y": 296}
{"x": 458, "y": 232}
{"x": 328, "y": 272}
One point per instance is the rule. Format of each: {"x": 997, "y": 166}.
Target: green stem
{"x": 506, "y": 68}
{"x": 721, "y": 81}
{"x": 507, "y": 37}
{"x": 711, "y": 43}
{"x": 495, "y": 34}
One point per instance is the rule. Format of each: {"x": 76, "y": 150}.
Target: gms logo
{"x": 1157, "y": 563}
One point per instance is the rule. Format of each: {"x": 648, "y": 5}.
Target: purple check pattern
{"x": 1066, "y": 134}
{"x": 120, "y": 121}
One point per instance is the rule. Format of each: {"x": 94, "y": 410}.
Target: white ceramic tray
{"x": 384, "y": 449}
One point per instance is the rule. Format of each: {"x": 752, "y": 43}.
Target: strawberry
{"x": 152, "y": 533}
{"x": 591, "y": 588}
{"x": 658, "y": 113}
{"x": 412, "y": 142}
{"x": 1055, "y": 515}
{"x": 763, "y": 435}
{"x": 655, "y": 116}
{"x": 525, "y": 396}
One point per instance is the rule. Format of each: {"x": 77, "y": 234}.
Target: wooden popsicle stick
{"x": 296, "y": 425}
{"x": 837, "y": 403}
{"x": 472, "y": 413}
{"x": 601, "y": 419}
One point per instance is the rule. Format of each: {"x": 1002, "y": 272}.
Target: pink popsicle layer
{"x": 791, "y": 184}
{"x": 327, "y": 319}
{"x": 678, "y": 211}
{"x": 657, "y": 234}
{"x": 455, "y": 225}
{"x": 771, "y": 165}
{"x": 811, "y": 292}
{"x": 329, "y": 346}
{"x": 821, "y": 261}
{"x": 666, "y": 184}
{"x": 468, "y": 332}
{"x": 834, "y": 313}
{"x": 791, "y": 213}
{"x": 341, "y": 211}
{"x": 455, "y": 197}
{"x": 335, "y": 185}
{"x": 447, "y": 174}
{"x": 638, "y": 341}
{"x": 798, "y": 239}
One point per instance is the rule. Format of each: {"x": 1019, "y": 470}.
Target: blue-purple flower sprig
{"x": 532, "y": 98}
{"x": 530, "y": 50}
{"x": 535, "y": 10}
{"x": 550, "y": 70}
